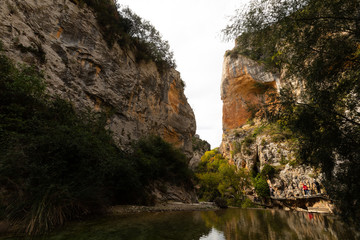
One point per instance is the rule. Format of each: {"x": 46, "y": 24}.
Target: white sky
{"x": 193, "y": 29}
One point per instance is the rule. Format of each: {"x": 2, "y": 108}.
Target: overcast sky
{"x": 193, "y": 29}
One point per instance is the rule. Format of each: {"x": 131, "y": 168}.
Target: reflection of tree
{"x": 251, "y": 224}
{"x": 149, "y": 226}
{"x": 274, "y": 224}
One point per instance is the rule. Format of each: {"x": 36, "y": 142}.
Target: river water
{"x": 229, "y": 224}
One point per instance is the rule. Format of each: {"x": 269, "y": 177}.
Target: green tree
{"x": 268, "y": 171}
{"x": 261, "y": 187}
{"x": 219, "y": 179}
{"x": 149, "y": 40}
{"x": 316, "y": 42}
{"x": 58, "y": 163}
{"x": 156, "y": 159}
{"x": 123, "y": 26}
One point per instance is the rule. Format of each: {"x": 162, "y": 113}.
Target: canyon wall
{"x": 252, "y": 143}
{"x": 243, "y": 83}
{"x": 65, "y": 42}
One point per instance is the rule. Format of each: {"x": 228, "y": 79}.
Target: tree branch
{"x": 336, "y": 113}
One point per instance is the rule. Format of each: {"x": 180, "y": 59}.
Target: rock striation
{"x": 66, "y": 43}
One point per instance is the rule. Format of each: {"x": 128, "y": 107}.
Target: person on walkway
{"x": 306, "y": 190}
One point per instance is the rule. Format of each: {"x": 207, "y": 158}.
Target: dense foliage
{"x": 123, "y": 26}
{"x": 219, "y": 179}
{"x": 261, "y": 187}
{"x": 57, "y": 163}
{"x": 158, "y": 160}
{"x": 316, "y": 42}
{"x": 268, "y": 171}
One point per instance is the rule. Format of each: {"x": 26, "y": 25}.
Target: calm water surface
{"x": 230, "y": 224}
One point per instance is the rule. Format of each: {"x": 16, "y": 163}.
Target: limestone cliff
{"x": 243, "y": 83}
{"x": 200, "y": 147}
{"x": 253, "y": 144}
{"x": 66, "y": 43}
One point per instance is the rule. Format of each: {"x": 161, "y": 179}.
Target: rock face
{"x": 252, "y": 145}
{"x": 66, "y": 43}
{"x": 165, "y": 192}
{"x": 243, "y": 84}
{"x": 199, "y": 148}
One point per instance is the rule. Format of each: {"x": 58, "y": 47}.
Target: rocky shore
{"x": 170, "y": 206}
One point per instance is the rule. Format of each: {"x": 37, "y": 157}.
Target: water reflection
{"x": 227, "y": 224}
{"x": 275, "y": 224}
{"x": 214, "y": 235}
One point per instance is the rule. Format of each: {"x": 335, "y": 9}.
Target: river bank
{"x": 133, "y": 210}
{"x": 6, "y": 227}
{"x": 166, "y": 207}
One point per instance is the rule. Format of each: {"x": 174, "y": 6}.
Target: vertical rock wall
{"x": 253, "y": 144}
{"x": 67, "y": 44}
{"x": 242, "y": 84}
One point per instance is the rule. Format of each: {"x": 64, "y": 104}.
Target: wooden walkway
{"x": 314, "y": 196}
{"x": 300, "y": 203}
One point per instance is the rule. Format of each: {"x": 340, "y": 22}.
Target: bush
{"x": 248, "y": 140}
{"x": 268, "y": 171}
{"x": 220, "y": 202}
{"x": 247, "y": 203}
{"x": 261, "y": 187}
{"x": 236, "y": 147}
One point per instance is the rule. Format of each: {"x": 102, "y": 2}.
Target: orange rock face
{"x": 243, "y": 86}
{"x": 174, "y": 97}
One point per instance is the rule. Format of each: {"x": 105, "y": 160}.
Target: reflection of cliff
{"x": 275, "y": 224}
{"x": 230, "y": 224}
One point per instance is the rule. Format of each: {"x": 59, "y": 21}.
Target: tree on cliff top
{"x": 123, "y": 26}
{"x": 318, "y": 43}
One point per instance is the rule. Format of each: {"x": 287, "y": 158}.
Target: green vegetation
{"x": 236, "y": 147}
{"x": 221, "y": 202}
{"x": 247, "y": 203}
{"x": 276, "y": 130}
{"x": 158, "y": 160}
{"x": 268, "y": 171}
{"x": 199, "y": 144}
{"x": 218, "y": 179}
{"x": 248, "y": 140}
{"x": 261, "y": 186}
{"x": 129, "y": 30}
{"x": 316, "y": 42}
{"x": 58, "y": 164}
{"x": 283, "y": 160}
